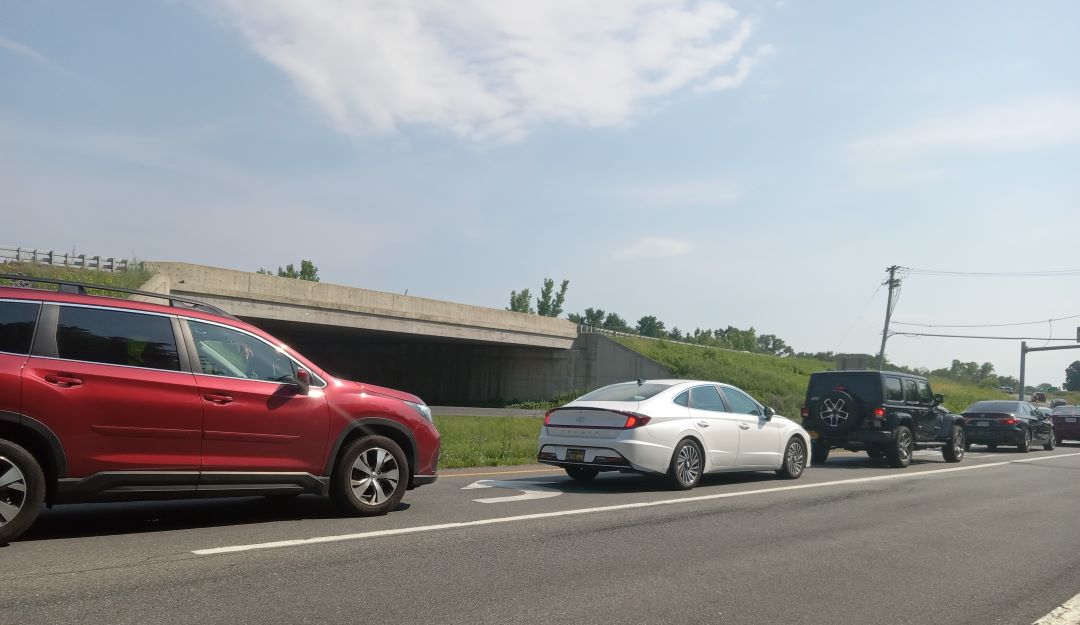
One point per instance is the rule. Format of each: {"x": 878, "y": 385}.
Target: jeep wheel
{"x": 794, "y": 459}
{"x": 686, "y": 465}
{"x": 370, "y": 478}
{"x": 582, "y": 474}
{"x": 899, "y": 452}
{"x": 1025, "y": 446}
{"x": 819, "y": 451}
{"x": 953, "y": 451}
{"x": 22, "y": 490}
{"x": 838, "y": 411}
{"x": 1051, "y": 443}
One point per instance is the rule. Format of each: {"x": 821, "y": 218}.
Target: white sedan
{"x": 678, "y": 428}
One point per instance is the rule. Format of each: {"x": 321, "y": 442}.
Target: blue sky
{"x": 749, "y": 163}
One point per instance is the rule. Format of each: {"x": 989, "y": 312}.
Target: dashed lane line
{"x": 627, "y": 506}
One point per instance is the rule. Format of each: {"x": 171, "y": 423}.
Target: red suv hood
{"x": 386, "y": 392}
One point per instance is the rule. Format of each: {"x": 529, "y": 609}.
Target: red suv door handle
{"x": 221, "y": 400}
{"x": 63, "y": 381}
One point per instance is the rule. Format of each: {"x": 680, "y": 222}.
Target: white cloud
{"x": 685, "y": 193}
{"x": 652, "y": 248}
{"x": 489, "y": 70}
{"x": 1025, "y": 124}
{"x": 28, "y": 52}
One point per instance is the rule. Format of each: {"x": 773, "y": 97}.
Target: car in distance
{"x": 1057, "y": 401}
{"x": 1066, "y": 423}
{"x": 104, "y": 399}
{"x": 886, "y": 414}
{"x": 675, "y": 428}
{"x": 1038, "y": 397}
{"x": 1001, "y": 422}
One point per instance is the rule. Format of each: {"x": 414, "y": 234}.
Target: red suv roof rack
{"x": 79, "y": 288}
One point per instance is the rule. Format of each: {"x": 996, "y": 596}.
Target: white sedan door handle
{"x": 703, "y": 424}
{"x": 744, "y": 426}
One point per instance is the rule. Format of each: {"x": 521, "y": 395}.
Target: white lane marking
{"x": 626, "y": 506}
{"x": 450, "y": 475}
{"x": 528, "y": 490}
{"x": 1067, "y": 614}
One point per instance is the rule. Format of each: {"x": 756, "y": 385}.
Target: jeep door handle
{"x": 63, "y": 381}
{"x": 744, "y": 426}
{"x": 220, "y": 400}
{"x": 703, "y": 424}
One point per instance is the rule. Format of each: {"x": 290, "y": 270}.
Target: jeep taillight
{"x": 879, "y": 413}
{"x": 805, "y": 412}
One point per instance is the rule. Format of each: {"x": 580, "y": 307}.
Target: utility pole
{"x": 892, "y": 283}
{"x": 1023, "y": 363}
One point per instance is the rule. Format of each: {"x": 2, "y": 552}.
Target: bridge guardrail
{"x": 50, "y": 257}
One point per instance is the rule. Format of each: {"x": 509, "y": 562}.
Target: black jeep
{"x": 886, "y": 414}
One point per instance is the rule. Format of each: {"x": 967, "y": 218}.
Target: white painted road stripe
{"x": 1067, "y": 614}
{"x": 626, "y": 506}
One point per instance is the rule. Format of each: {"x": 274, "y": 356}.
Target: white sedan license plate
{"x": 982, "y": 424}
{"x": 575, "y": 455}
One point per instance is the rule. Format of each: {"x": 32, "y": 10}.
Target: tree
{"x": 549, "y": 304}
{"x": 675, "y": 334}
{"x": 545, "y": 305}
{"x": 615, "y": 323}
{"x": 593, "y": 317}
{"x": 651, "y": 326}
{"x": 308, "y": 271}
{"x": 1072, "y": 376}
{"x": 521, "y": 302}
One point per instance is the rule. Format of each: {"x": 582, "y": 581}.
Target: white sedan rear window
{"x": 631, "y": 391}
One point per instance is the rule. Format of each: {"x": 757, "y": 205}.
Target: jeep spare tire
{"x": 838, "y": 411}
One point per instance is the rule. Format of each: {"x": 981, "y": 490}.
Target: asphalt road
{"x": 995, "y": 539}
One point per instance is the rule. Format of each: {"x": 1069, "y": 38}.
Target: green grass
{"x": 777, "y": 382}
{"x": 959, "y": 395}
{"x": 487, "y": 441}
{"x": 130, "y": 279}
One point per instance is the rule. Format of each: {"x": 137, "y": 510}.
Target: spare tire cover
{"x": 838, "y": 411}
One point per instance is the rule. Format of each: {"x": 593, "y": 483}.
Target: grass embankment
{"x": 777, "y": 382}
{"x": 128, "y": 279}
{"x": 487, "y": 441}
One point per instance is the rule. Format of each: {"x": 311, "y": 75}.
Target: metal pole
{"x": 888, "y": 315}
{"x": 1023, "y": 358}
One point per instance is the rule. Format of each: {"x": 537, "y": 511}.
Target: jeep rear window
{"x": 864, "y": 386}
{"x": 631, "y": 391}
{"x": 17, "y": 321}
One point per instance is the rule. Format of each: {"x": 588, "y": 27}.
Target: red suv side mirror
{"x": 303, "y": 380}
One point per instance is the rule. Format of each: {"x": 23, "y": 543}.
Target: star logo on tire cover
{"x": 834, "y": 412}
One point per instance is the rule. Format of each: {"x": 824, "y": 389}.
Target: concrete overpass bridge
{"x": 445, "y": 352}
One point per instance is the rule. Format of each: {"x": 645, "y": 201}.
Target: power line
{"x": 968, "y": 336}
{"x": 1055, "y": 273}
{"x": 985, "y": 325}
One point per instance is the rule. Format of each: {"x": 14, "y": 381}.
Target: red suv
{"x": 106, "y": 399}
